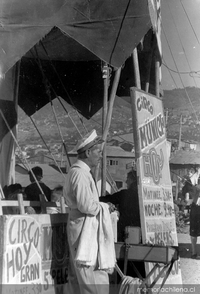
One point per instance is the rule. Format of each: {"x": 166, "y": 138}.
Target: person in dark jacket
{"x": 32, "y": 191}
{"x": 127, "y": 203}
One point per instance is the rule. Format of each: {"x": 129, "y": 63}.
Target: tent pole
{"x": 138, "y": 85}
{"x": 157, "y": 76}
{"x": 149, "y": 64}
{"x": 136, "y": 68}
{"x": 104, "y": 114}
{"x": 110, "y": 109}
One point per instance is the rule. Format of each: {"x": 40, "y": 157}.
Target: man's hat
{"x": 88, "y": 141}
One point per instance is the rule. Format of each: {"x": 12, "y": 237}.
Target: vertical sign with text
{"x": 154, "y": 183}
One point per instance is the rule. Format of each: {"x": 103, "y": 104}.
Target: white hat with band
{"x": 88, "y": 141}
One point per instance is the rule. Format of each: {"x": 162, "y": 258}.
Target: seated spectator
{"x": 13, "y": 190}
{"x": 32, "y": 191}
{"x": 56, "y": 195}
{"x": 11, "y": 193}
{"x": 30, "y": 210}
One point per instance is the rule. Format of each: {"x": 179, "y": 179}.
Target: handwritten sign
{"x": 154, "y": 183}
{"x": 35, "y": 253}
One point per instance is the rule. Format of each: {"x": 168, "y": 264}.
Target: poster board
{"x": 157, "y": 215}
{"x": 35, "y": 253}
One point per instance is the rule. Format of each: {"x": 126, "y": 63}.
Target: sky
{"x": 180, "y": 43}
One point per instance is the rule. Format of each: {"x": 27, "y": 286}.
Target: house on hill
{"x": 125, "y": 141}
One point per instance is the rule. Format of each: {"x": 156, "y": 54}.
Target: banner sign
{"x": 35, "y": 255}
{"x": 154, "y": 182}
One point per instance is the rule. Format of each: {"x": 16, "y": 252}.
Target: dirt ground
{"x": 190, "y": 268}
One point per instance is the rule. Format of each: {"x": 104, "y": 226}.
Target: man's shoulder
{"x": 30, "y": 186}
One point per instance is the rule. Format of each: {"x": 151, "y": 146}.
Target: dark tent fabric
{"x": 77, "y": 80}
{"x": 75, "y": 36}
{"x": 110, "y": 29}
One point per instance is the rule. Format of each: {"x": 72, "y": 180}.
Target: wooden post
{"x": 21, "y": 204}
{"x": 42, "y": 201}
{"x": 138, "y": 85}
{"x": 136, "y": 68}
{"x": 104, "y": 114}
{"x": 1, "y": 209}
{"x": 110, "y": 109}
{"x": 149, "y": 63}
{"x": 177, "y": 189}
{"x": 180, "y": 133}
{"x": 157, "y": 77}
{"x": 62, "y": 205}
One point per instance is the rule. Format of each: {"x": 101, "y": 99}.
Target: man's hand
{"x": 112, "y": 207}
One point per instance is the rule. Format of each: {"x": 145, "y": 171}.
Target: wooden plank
{"x": 146, "y": 253}
{"x": 29, "y": 203}
{"x": 21, "y": 204}
{"x": 62, "y": 205}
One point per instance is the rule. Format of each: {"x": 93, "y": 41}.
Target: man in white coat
{"x": 82, "y": 198}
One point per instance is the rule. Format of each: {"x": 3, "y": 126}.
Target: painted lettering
{"x": 153, "y": 209}
{"x": 168, "y": 210}
{"x": 153, "y": 164}
{"x": 23, "y": 231}
{"x": 30, "y": 272}
{"x": 60, "y": 275}
{"x": 151, "y": 194}
{"x": 153, "y": 227}
{"x": 55, "y": 244}
{"x": 151, "y": 131}
{"x": 162, "y": 238}
{"x": 144, "y": 103}
{"x": 167, "y": 195}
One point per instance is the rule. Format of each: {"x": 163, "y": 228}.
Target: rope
{"x": 14, "y": 138}
{"x": 69, "y": 115}
{"x": 47, "y": 146}
{"x": 62, "y": 83}
{"x": 47, "y": 84}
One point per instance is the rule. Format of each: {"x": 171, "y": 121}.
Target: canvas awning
{"x": 185, "y": 157}
{"x": 108, "y": 29}
{"x": 75, "y": 36}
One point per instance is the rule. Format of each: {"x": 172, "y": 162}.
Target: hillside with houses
{"x": 182, "y": 113}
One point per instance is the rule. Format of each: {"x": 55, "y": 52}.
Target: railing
{"x": 25, "y": 203}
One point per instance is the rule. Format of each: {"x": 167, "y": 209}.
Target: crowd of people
{"x": 89, "y": 227}
{"x": 89, "y": 220}
{"x": 32, "y": 193}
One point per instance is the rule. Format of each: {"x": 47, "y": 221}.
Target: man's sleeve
{"x": 114, "y": 198}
